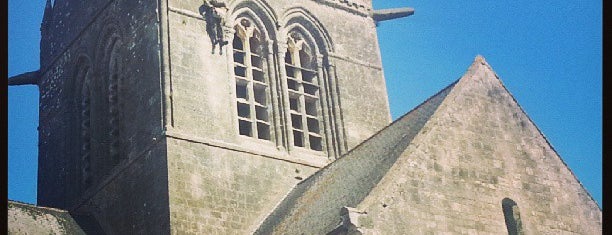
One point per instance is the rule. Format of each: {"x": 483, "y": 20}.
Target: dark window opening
{"x": 242, "y": 92}
{"x": 261, "y": 113}
{"x": 290, "y": 71}
{"x": 315, "y": 143}
{"x": 305, "y": 59}
{"x": 288, "y": 59}
{"x": 298, "y": 138}
{"x": 512, "y": 217}
{"x": 294, "y": 104}
{"x": 244, "y": 110}
{"x": 239, "y": 57}
{"x": 263, "y": 131}
{"x": 255, "y": 45}
{"x": 260, "y": 95}
{"x": 258, "y": 75}
{"x": 239, "y": 71}
{"x": 296, "y": 121}
{"x": 311, "y": 108}
{"x": 313, "y": 125}
{"x": 292, "y": 84}
{"x": 245, "y": 128}
{"x": 256, "y": 61}
{"x": 237, "y": 44}
{"x": 310, "y": 89}
{"x": 308, "y": 76}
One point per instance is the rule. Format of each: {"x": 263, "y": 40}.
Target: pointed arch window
{"x": 303, "y": 93}
{"x": 107, "y": 123}
{"x": 512, "y": 217}
{"x": 85, "y": 125}
{"x": 113, "y": 105}
{"x": 252, "y": 89}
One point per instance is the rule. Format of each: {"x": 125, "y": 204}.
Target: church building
{"x": 272, "y": 117}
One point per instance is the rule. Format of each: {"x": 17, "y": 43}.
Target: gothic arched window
{"x": 113, "y": 104}
{"x": 512, "y": 217}
{"x": 108, "y": 147}
{"x": 252, "y": 89}
{"x": 84, "y": 106}
{"x": 303, "y": 93}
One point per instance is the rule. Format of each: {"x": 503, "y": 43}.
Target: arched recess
{"x": 260, "y": 12}
{"x": 303, "y": 36}
{"x": 512, "y": 217}
{"x": 252, "y": 28}
{"x": 107, "y": 124}
{"x": 299, "y": 16}
{"x": 81, "y": 118}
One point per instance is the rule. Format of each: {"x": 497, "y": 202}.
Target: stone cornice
{"x": 359, "y": 7}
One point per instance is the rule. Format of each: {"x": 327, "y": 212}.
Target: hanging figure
{"x": 214, "y": 12}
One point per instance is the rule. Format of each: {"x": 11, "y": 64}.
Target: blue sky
{"x": 547, "y": 53}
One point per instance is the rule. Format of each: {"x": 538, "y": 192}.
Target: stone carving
{"x": 214, "y": 12}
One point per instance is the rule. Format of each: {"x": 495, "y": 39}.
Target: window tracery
{"x": 252, "y": 89}
{"x": 303, "y": 93}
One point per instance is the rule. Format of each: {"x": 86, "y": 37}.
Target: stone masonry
{"x": 271, "y": 117}
{"x": 139, "y": 126}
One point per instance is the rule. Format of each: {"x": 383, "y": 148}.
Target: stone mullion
{"x": 323, "y": 104}
{"x": 246, "y": 45}
{"x": 231, "y": 33}
{"x": 288, "y": 130}
{"x": 336, "y": 107}
{"x": 274, "y": 93}
{"x": 295, "y": 57}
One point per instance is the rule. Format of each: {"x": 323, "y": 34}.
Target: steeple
{"x": 45, "y": 33}
{"x": 47, "y": 16}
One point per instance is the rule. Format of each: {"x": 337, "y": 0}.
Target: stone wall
{"x": 347, "y": 181}
{"x": 130, "y": 195}
{"x": 222, "y": 182}
{"x": 216, "y": 190}
{"x": 29, "y": 219}
{"x": 134, "y": 198}
{"x": 478, "y": 149}
{"x": 202, "y": 88}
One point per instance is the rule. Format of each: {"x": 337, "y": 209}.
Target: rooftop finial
{"x": 480, "y": 59}
{"x": 48, "y": 13}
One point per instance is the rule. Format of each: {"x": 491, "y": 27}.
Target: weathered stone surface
{"x": 347, "y": 181}
{"x": 29, "y": 219}
{"x": 477, "y": 149}
{"x": 139, "y": 129}
{"x": 446, "y": 169}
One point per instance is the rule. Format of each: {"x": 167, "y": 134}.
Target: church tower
{"x": 198, "y": 116}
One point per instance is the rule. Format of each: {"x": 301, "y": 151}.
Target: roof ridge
{"x": 36, "y": 206}
{"x": 480, "y": 59}
{"x": 366, "y": 157}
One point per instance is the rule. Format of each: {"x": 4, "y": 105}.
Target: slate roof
{"x": 348, "y": 180}
{"x": 315, "y": 204}
{"x": 25, "y": 218}
{"x": 29, "y": 219}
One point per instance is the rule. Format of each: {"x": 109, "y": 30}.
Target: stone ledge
{"x": 317, "y": 162}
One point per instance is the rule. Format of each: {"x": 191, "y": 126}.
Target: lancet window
{"x": 252, "y": 89}
{"x": 512, "y": 217}
{"x": 303, "y": 93}
{"x": 113, "y": 107}
{"x": 85, "y": 126}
